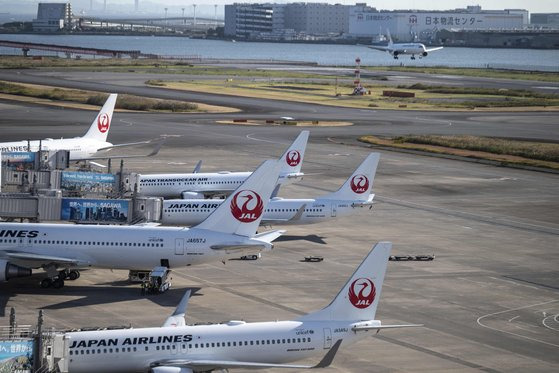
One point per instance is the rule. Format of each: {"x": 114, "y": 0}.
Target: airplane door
{"x": 334, "y": 210}
{"x": 179, "y": 246}
{"x": 327, "y": 338}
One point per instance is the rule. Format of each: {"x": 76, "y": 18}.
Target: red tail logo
{"x": 293, "y": 158}
{"x": 359, "y": 184}
{"x": 251, "y": 206}
{"x": 362, "y": 293}
{"x": 103, "y": 122}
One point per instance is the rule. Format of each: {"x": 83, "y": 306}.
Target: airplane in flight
{"x": 354, "y": 193}
{"x": 62, "y": 249}
{"x": 92, "y": 145}
{"x": 202, "y": 185}
{"x": 180, "y": 348}
{"x": 397, "y": 49}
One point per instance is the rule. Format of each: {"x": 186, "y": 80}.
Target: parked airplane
{"x": 396, "y": 49}
{"x": 179, "y": 348}
{"x": 63, "y": 249}
{"x": 355, "y": 192}
{"x": 199, "y": 185}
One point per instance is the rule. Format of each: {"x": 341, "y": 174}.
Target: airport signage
{"x": 18, "y": 157}
{"x": 87, "y": 182}
{"x": 95, "y": 210}
{"x": 15, "y": 354}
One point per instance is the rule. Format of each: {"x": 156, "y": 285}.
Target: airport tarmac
{"x": 489, "y": 301}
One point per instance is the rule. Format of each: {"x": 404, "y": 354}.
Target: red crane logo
{"x": 251, "y": 206}
{"x": 293, "y": 158}
{"x": 359, "y": 184}
{"x": 362, "y": 293}
{"x": 103, "y": 122}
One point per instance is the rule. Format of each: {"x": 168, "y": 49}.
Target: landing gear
{"x": 395, "y": 55}
{"x": 413, "y": 57}
{"x": 57, "y": 282}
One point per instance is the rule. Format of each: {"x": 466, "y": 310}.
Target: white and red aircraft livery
{"x": 354, "y": 193}
{"x": 201, "y": 185}
{"x": 79, "y": 147}
{"x": 63, "y": 249}
{"x": 179, "y": 348}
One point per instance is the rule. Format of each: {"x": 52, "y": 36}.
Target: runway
{"x": 489, "y": 301}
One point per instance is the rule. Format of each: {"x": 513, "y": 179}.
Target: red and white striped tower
{"x": 357, "y": 80}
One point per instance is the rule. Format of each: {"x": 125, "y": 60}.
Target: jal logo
{"x": 293, "y": 158}
{"x": 359, "y": 184}
{"x": 246, "y": 206}
{"x": 103, "y": 122}
{"x": 362, "y": 293}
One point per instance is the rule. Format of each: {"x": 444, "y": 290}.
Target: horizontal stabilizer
{"x": 379, "y": 327}
{"x": 269, "y": 236}
{"x": 147, "y": 148}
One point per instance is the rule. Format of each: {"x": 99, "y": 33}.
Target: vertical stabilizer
{"x": 358, "y": 186}
{"x": 99, "y": 129}
{"x": 390, "y": 42}
{"x": 242, "y": 211}
{"x": 292, "y": 159}
{"x": 359, "y": 298}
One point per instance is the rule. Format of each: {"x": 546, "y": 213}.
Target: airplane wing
{"x": 177, "y": 318}
{"x": 379, "y": 48}
{"x": 433, "y": 49}
{"x": 36, "y": 260}
{"x": 153, "y": 145}
{"x": 209, "y": 365}
{"x": 239, "y": 247}
{"x": 148, "y": 224}
{"x": 295, "y": 217}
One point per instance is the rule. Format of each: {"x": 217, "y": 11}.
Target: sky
{"x": 534, "y": 6}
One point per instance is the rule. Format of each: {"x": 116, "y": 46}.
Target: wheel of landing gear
{"x": 62, "y": 275}
{"x": 73, "y": 275}
{"x": 46, "y": 283}
{"x": 58, "y": 283}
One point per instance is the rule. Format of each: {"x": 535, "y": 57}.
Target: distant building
{"x": 409, "y": 25}
{"x": 317, "y": 18}
{"x": 52, "y": 17}
{"x": 545, "y": 19}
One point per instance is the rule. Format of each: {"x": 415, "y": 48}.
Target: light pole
{"x": 166, "y": 17}
{"x": 215, "y": 14}
{"x": 183, "y": 19}
{"x": 194, "y": 6}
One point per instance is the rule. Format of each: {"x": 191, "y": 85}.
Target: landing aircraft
{"x": 396, "y": 49}
{"x": 92, "y": 145}
{"x": 354, "y": 193}
{"x": 63, "y": 249}
{"x": 179, "y": 348}
{"x": 199, "y": 185}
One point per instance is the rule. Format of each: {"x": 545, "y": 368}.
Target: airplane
{"x": 199, "y": 185}
{"x": 92, "y": 145}
{"x": 396, "y": 49}
{"x": 354, "y": 193}
{"x": 62, "y": 249}
{"x": 177, "y": 347}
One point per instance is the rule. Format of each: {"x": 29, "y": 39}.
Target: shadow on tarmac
{"x": 310, "y": 237}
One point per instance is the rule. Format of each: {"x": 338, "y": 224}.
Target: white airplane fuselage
{"x": 278, "y": 211}
{"x": 134, "y": 350}
{"x": 173, "y": 185}
{"x": 410, "y": 48}
{"x": 116, "y": 247}
{"x": 78, "y": 147}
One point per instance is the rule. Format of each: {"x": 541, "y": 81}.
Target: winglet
{"x": 299, "y": 213}
{"x": 177, "y": 318}
{"x": 197, "y": 167}
{"x": 329, "y": 357}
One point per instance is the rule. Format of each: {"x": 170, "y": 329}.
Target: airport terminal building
{"x": 307, "y": 21}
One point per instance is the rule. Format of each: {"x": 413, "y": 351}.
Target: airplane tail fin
{"x": 242, "y": 211}
{"x": 359, "y": 298}
{"x": 292, "y": 159}
{"x": 99, "y": 129}
{"x": 390, "y": 42}
{"x": 358, "y": 185}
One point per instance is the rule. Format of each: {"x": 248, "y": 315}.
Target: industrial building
{"x": 305, "y": 21}
{"x": 550, "y": 20}
{"x": 52, "y": 17}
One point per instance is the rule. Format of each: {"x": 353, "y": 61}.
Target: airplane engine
{"x": 424, "y": 54}
{"x": 192, "y": 195}
{"x": 170, "y": 370}
{"x": 8, "y": 271}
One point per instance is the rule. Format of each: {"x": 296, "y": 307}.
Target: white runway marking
{"x": 554, "y": 319}
{"x": 250, "y": 137}
{"x": 511, "y": 333}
